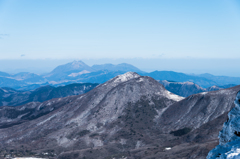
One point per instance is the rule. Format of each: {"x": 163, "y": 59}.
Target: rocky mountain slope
{"x": 11, "y": 97}
{"x": 198, "y": 109}
{"x": 112, "y": 119}
{"x": 129, "y": 116}
{"x": 196, "y": 121}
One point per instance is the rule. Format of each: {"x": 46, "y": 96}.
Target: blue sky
{"x": 120, "y": 29}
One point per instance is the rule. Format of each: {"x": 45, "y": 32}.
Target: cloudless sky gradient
{"x": 98, "y": 29}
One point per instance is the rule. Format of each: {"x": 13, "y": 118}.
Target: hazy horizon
{"x": 189, "y": 66}
{"x": 186, "y": 36}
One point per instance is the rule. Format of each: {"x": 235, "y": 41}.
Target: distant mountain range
{"x": 79, "y": 72}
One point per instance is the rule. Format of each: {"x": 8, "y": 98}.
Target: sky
{"x": 142, "y": 32}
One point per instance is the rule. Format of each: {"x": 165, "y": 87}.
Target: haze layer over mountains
{"x": 77, "y": 71}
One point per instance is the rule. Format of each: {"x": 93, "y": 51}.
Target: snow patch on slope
{"x": 174, "y": 96}
{"x": 79, "y": 73}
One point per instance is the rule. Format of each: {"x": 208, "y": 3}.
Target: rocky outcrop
{"x": 229, "y": 136}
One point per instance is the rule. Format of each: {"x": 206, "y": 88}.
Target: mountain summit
{"x": 63, "y": 71}
{"x": 75, "y": 66}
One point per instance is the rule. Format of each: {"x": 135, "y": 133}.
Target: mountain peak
{"x": 77, "y": 63}
{"x": 125, "y": 77}
{"x": 71, "y": 67}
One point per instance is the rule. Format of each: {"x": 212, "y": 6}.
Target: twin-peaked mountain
{"x": 129, "y": 116}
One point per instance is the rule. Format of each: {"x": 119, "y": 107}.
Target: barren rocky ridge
{"x": 130, "y": 115}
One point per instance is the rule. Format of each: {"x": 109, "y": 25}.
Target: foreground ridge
{"x": 114, "y": 118}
